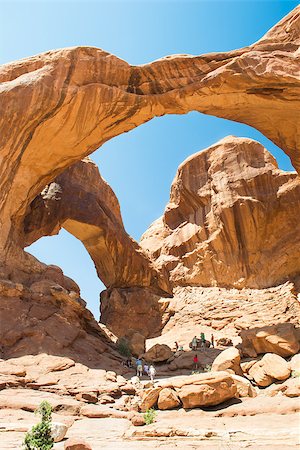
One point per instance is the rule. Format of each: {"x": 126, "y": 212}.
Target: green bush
{"x": 123, "y": 347}
{"x": 149, "y": 416}
{"x": 39, "y": 437}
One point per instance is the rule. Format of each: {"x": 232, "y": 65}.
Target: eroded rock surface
{"x": 232, "y": 219}
{"x": 80, "y": 201}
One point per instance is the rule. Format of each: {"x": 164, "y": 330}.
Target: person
{"x": 180, "y": 348}
{"x": 139, "y": 367}
{"x": 152, "y": 373}
{"x": 128, "y": 363}
{"x": 194, "y": 343}
{"x": 212, "y": 340}
{"x": 202, "y": 337}
{"x": 196, "y": 361}
{"x": 176, "y": 346}
{"x": 146, "y": 369}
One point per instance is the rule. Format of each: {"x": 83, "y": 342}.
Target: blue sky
{"x": 139, "y": 165}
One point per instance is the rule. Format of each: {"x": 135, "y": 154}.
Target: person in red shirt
{"x": 196, "y": 361}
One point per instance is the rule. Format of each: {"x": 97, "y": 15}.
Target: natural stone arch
{"x": 67, "y": 103}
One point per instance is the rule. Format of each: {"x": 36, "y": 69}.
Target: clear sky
{"x": 139, "y": 165}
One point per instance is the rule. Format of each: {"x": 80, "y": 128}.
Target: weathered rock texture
{"x": 228, "y": 312}
{"x": 80, "y": 201}
{"x": 232, "y": 219}
{"x": 60, "y": 106}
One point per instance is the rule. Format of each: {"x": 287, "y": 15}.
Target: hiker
{"x": 202, "y": 337}
{"x": 212, "y": 340}
{"x": 139, "y": 368}
{"x": 176, "y": 346}
{"x": 152, "y": 373}
{"x": 128, "y": 363}
{"x": 146, "y": 369}
{"x": 196, "y": 361}
{"x": 194, "y": 343}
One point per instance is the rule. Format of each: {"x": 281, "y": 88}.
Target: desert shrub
{"x": 295, "y": 374}
{"x": 39, "y": 437}
{"x": 207, "y": 368}
{"x": 149, "y": 416}
{"x": 123, "y": 347}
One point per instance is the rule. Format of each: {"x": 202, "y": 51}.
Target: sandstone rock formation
{"x": 134, "y": 306}
{"x": 270, "y": 368}
{"x": 232, "y": 219}
{"x": 168, "y": 399}
{"x": 158, "y": 353}
{"x": 85, "y": 205}
{"x": 281, "y": 339}
{"x": 228, "y": 360}
{"x": 58, "y": 107}
{"x": 66, "y": 103}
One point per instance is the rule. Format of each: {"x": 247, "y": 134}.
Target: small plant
{"x": 123, "y": 347}
{"x": 195, "y": 372}
{"x": 150, "y": 416}
{"x": 295, "y": 374}
{"x": 39, "y": 437}
{"x": 207, "y": 368}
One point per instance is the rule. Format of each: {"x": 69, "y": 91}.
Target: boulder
{"x": 138, "y": 420}
{"x": 158, "y": 353}
{"x": 228, "y": 360}
{"x": 149, "y": 398}
{"x": 88, "y": 397}
{"x": 275, "y": 366}
{"x": 244, "y": 387}
{"x": 168, "y": 399}
{"x": 215, "y": 389}
{"x": 271, "y": 367}
{"x": 258, "y": 374}
{"x": 280, "y": 339}
{"x": 58, "y": 431}
{"x": 77, "y": 444}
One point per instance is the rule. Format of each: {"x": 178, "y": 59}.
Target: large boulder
{"x": 215, "y": 389}
{"x": 280, "y": 339}
{"x": 158, "y": 353}
{"x": 149, "y": 398}
{"x": 270, "y": 368}
{"x": 168, "y": 399}
{"x": 58, "y": 431}
{"x": 275, "y": 366}
{"x": 228, "y": 360}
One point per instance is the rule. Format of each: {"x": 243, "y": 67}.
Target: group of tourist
{"x": 142, "y": 368}
{"x": 203, "y": 342}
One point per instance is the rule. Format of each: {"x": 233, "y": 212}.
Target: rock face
{"x": 60, "y": 106}
{"x": 85, "y": 205}
{"x": 140, "y": 307}
{"x": 243, "y": 85}
{"x": 230, "y": 209}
